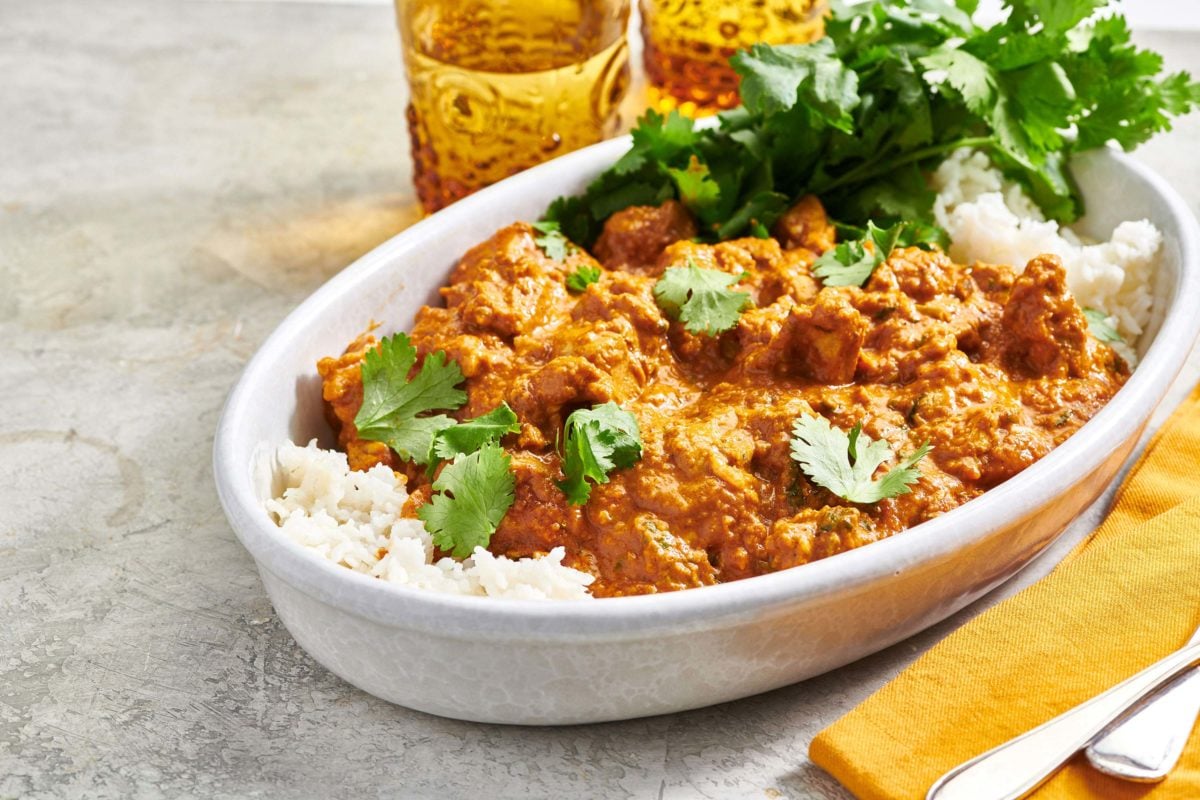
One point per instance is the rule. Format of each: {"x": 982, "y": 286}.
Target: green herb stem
{"x": 893, "y": 86}
{"x": 872, "y": 169}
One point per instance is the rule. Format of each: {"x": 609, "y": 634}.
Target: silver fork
{"x": 1020, "y": 765}
{"x": 1145, "y": 746}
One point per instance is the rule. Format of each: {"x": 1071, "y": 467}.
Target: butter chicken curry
{"x": 990, "y": 365}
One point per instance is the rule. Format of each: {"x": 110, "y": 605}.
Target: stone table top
{"x": 174, "y": 178}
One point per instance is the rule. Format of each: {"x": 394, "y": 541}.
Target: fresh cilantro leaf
{"x": 847, "y": 264}
{"x": 885, "y": 239}
{"x": 392, "y": 401}
{"x": 1004, "y": 52}
{"x": 658, "y": 139}
{"x": 1179, "y": 94}
{"x": 969, "y": 76}
{"x": 467, "y": 437}
{"x": 912, "y": 124}
{"x": 574, "y": 217}
{"x": 552, "y": 241}
{"x": 762, "y": 209}
{"x": 903, "y": 195}
{"x": 851, "y": 263}
{"x": 697, "y": 190}
{"x": 1100, "y": 325}
{"x": 845, "y": 464}
{"x": 1047, "y": 112}
{"x": 656, "y": 187}
{"x": 473, "y": 493}
{"x": 595, "y": 442}
{"x": 1055, "y": 16}
{"x": 925, "y": 236}
{"x": 583, "y": 277}
{"x": 957, "y": 14}
{"x": 414, "y": 440}
{"x": 896, "y": 481}
{"x": 1120, "y": 98}
{"x": 701, "y": 298}
{"x": 775, "y": 78}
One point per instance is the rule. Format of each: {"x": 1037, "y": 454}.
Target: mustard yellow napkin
{"x": 1126, "y": 597}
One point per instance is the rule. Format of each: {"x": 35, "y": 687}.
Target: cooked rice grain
{"x": 353, "y": 519}
{"x": 989, "y": 219}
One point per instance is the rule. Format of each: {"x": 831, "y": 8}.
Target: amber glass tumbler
{"x": 500, "y": 85}
{"x": 688, "y": 44}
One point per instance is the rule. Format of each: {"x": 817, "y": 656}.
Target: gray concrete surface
{"x": 174, "y": 177}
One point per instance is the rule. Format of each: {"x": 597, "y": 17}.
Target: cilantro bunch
{"x": 859, "y": 117}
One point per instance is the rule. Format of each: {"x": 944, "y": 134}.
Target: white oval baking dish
{"x": 534, "y": 662}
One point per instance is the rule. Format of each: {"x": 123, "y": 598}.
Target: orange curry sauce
{"x": 991, "y": 366}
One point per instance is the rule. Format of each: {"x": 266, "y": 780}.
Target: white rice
{"x": 352, "y": 517}
{"x": 990, "y": 219}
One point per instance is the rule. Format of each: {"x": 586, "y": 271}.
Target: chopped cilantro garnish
{"x": 581, "y": 278}
{"x": 701, "y": 298}
{"x": 473, "y": 493}
{"x": 595, "y": 442}
{"x": 392, "y": 402}
{"x": 851, "y": 263}
{"x": 467, "y": 437}
{"x": 845, "y": 463}
{"x": 658, "y": 139}
{"x": 552, "y": 241}
{"x": 1100, "y": 325}
{"x": 696, "y": 187}
{"x": 860, "y": 116}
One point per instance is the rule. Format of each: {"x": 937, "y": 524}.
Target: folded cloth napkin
{"x": 1123, "y": 599}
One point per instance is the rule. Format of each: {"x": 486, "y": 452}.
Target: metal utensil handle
{"x": 1145, "y": 745}
{"x": 1020, "y": 765}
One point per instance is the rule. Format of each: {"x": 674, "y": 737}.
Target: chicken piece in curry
{"x": 993, "y": 366}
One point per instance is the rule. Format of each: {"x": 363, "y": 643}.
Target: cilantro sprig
{"x": 595, "y": 442}
{"x": 395, "y": 409}
{"x": 467, "y": 437}
{"x": 1100, "y": 326}
{"x": 552, "y": 242}
{"x": 851, "y": 263}
{"x": 845, "y": 464}
{"x": 473, "y": 493}
{"x": 860, "y": 116}
{"x": 583, "y": 277}
{"x": 701, "y": 298}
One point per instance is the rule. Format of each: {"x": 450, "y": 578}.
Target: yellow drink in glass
{"x": 498, "y": 86}
{"x": 688, "y": 44}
